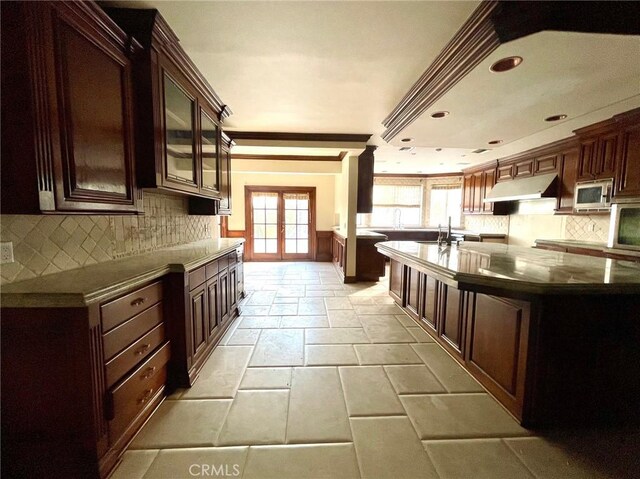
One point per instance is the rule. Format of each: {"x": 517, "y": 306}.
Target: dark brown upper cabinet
{"x": 67, "y": 110}
{"x": 178, "y": 115}
{"x": 598, "y": 150}
{"x": 365, "y": 180}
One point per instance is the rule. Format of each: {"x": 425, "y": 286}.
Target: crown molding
{"x": 241, "y": 156}
{"x": 285, "y": 136}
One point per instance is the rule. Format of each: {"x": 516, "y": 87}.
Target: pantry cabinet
{"x": 68, "y": 140}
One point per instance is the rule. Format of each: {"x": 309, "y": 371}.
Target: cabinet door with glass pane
{"x": 180, "y": 168}
{"x": 209, "y": 155}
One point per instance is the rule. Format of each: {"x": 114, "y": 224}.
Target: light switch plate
{"x": 6, "y": 252}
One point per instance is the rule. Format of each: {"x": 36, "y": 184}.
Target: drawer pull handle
{"x": 149, "y": 373}
{"x": 147, "y": 395}
{"x": 137, "y": 302}
{"x": 142, "y": 349}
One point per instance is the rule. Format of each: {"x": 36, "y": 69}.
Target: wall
{"x": 325, "y": 194}
{"x": 46, "y": 244}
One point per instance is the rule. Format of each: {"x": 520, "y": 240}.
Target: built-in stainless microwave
{"x": 624, "y": 229}
{"x": 594, "y": 195}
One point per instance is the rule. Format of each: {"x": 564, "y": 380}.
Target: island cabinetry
{"x": 396, "y": 281}
{"x": 453, "y": 309}
{"x": 202, "y": 303}
{"x": 496, "y": 347}
{"x": 67, "y": 110}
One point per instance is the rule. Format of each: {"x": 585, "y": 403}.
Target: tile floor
{"x": 318, "y": 379}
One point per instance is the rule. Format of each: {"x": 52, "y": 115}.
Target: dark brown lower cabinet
{"x": 496, "y": 347}
{"x": 213, "y": 292}
{"x": 199, "y": 319}
{"x": 551, "y": 360}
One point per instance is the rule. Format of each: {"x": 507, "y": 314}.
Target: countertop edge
{"x": 81, "y": 300}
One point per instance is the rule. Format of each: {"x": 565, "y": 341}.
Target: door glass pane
{"x": 296, "y": 216}
{"x": 178, "y": 120}
{"x": 265, "y": 222}
{"x": 209, "y": 140}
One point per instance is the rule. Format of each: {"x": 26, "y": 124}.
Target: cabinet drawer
{"x": 124, "y": 335}
{"x": 133, "y": 393}
{"x": 135, "y": 353}
{"x": 118, "y": 311}
{"x": 211, "y": 269}
{"x": 197, "y": 277}
{"x": 223, "y": 263}
{"x": 233, "y": 259}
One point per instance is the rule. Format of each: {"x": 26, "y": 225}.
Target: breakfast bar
{"x": 552, "y": 336}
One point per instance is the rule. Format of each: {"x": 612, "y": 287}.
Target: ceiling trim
{"x": 241, "y": 156}
{"x": 475, "y": 40}
{"x": 495, "y": 22}
{"x": 417, "y": 175}
{"x": 284, "y": 136}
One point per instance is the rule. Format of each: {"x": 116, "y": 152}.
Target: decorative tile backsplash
{"x": 45, "y": 244}
{"x": 587, "y": 228}
{"x": 486, "y": 224}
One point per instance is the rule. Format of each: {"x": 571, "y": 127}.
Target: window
{"x": 445, "y": 202}
{"x": 397, "y": 205}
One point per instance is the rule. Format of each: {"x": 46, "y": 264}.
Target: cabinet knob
{"x": 142, "y": 349}
{"x": 149, "y": 372}
{"x": 146, "y": 396}
{"x": 137, "y": 302}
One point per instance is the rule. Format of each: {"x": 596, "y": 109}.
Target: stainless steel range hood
{"x": 534, "y": 187}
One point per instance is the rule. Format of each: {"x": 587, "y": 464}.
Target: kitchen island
{"x": 553, "y": 336}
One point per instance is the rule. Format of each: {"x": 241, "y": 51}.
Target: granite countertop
{"x": 453, "y": 231}
{"x": 518, "y": 268}
{"x": 361, "y": 234}
{"x": 597, "y": 246}
{"x": 82, "y": 286}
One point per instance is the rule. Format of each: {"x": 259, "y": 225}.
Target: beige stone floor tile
{"x": 449, "y": 416}
{"x": 357, "y": 299}
{"x": 336, "y": 336}
{"x": 256, "y": 310}
{"x": 256, "y": 417}
{"x": 338, "y": 303}
{"x": 183, "y": 423}
{"x": 446, "y": 369}
{"x": 577, "y": 458}
{"x": 386, "y": 354}
{"x": 198, "y": 462}
{"x": 313, "y": 461}
{"x": 343, "y": 318}
{"x": 259, "y": 322}
{"x": 304, "y": 322}
{"x": 330, "y": 355}
{"x": 319, "y": 294}
{"x": 406, "y": 321}
{"x": 388, "y": 334}
{"x": 266, "y": 378}
{"x": 285, "y": 300}
{"x": 221, "y": 374}
{"x": 413, "y": 379}
{"x": 134, "y": 464}
{"x": 387, "y": 447}
{"x": 377, "y": 309}
{"x": 291, "y": 292}
{"x": 279, "y": 347}
{"x": 477, "y": 458}
{"x": 287, "y": 309}
{"x": 317, "y": 411}
{"x": 368, "y": 392}
{"x": 420, "y": 335}
{"x": 260, "y": 298}
{"x": 230, "y": 331}
{"x": 313, "y": 309}
{"x": 242, "y": 337}
{"x": 388, "y": 320}
{"x": 325, "y": 287}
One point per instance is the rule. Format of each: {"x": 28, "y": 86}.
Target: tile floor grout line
{"x": 513, "y": 451}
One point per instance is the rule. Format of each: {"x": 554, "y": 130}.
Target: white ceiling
{"x": 341, "y": 67}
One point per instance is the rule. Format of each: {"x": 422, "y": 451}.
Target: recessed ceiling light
{"x": 441, "y": 164}
{"x": 407, "y": 148}
{"x": 413, "y": 154}
{"x": 495, "y": 142}
{"x": 385, "y": 171}
{"x": 419, "y": 171}
{"x": 439, "y": 114}
{"x": 506, "y": 64}
{"x": 555, "y": 118}
{"x": 438, "y": 149}
{"x": 397, "y": 162}
{"x": 463, "y": 163}
{"x": 462, "y": 156}
{"x": 406, "y": 140}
